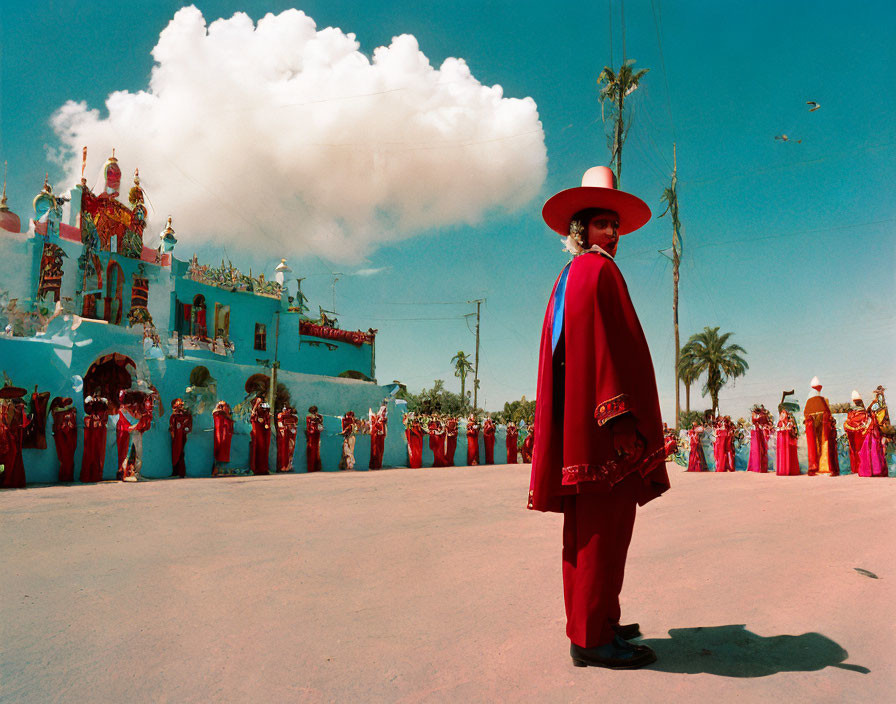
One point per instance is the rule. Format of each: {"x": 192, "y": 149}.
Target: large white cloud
{"x": 287, "y": 138}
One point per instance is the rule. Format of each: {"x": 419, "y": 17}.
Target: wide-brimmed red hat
{"x": 12, "y": 392}
{"x": 598, "y": 190}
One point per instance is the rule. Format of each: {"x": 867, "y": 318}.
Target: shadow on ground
{"x": 733, "y": 651}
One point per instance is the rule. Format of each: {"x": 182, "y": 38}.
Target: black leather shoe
{"x": 627, "y": 632}
{"x": 617, "y": 655}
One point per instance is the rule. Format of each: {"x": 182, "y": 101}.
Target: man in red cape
{"x": 598, "y": 448}
{"x": 65, "y": 436}
{"x": 511, "y": 442}
{"x": 378, "y": 430}
{"x": 488, "y": 439}
{"x": 472, "y": 441}
{"x": 179, "y": 426}
{"x": 314, "y": 424}
{"x": 223, "y": 435}
{"x": 259, "y": 437}
{"x": 287, "y": 431}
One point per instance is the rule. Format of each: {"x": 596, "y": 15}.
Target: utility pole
{"x": 676, "y": 260}
{"x": 478, "y": 303}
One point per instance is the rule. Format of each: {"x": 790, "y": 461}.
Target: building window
{"x": 261, "y": 337}
{"x": 114, "y": 285}
{"x": 199, "y": 328}
{"x": 222, "y": 322}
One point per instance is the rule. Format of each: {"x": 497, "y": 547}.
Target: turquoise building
{"x": 89, "y": 301}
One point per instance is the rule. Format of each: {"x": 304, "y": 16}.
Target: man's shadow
{"x": 733, "y": 651}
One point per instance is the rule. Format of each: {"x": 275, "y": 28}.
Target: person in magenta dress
{"x": 724, "y": 439}
{"x": 762, "y": 423}
{"x": 696, "y": 458}
{"x": 472, "y": 441}
{"x": 787, "y": 464}
{"x": 287, "y": 431}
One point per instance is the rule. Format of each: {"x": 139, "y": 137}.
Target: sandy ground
{"x": 437, "y": 585}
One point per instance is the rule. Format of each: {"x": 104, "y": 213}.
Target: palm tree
{"x": 706, "y": 352}
{"x": 462, "y": 367}
{"x": 670, "y": 196}
{"x": 688, "y": 375}
{"x": 614, "y": 88}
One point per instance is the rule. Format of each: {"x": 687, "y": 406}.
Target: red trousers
{"x": 597, "y": 530}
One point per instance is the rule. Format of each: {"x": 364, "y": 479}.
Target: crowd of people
{"x": 443, "y": 431}
{"x": 135, "y": 409}
{"x": 867, "y": 432}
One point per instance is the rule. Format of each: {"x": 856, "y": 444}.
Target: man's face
{"x": 603, "y": 231}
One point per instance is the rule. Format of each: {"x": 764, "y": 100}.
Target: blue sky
{"x": 790, "y": 246}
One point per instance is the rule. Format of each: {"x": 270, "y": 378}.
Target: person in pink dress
{"x": 723, "y": 448}
{"x": 696, "y": 458}
{"x": 762, "y": 424}
{"x": 787, "y": 464}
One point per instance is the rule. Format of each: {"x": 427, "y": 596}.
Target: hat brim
{"x": 632, "y": 211}
{"x": 12, "y": 392}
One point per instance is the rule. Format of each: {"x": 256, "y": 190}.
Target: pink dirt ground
{"x": 437, "y": 585}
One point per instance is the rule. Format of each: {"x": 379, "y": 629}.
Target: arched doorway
{"x": 114, "y": 286}
{"x": 109, "y": 375}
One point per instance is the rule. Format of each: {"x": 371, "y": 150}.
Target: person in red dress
{"x": 488, "y": 439}
{"x": 510, "y": 441}
{"x": 179, "y": 426}
{"x": 787, "y": 463}
{"x": 314, "y": 425}
{"x": 349, "y": 430}
{"x": 96, "y": 416}
{"x": 723, "y": 448}
{"x": 450, "y": 440}
{"x": 472, "y": 441}
{"x": 598, "y": 448}
{"x": 13, "y": 421}
{"x": 135, "y": 413}
{"x": 259, "y": 437}
{"x": 762, "y": 424}
{"x": 854, "y": 427}
{"x": 65, "y": 435}
{"x": 696, "y": 458}
{"x": 36, "y": 433}
{"x": 436, "y": 440}
{"x": 414, "y": 436}
{"x": 378, "y": 430}
{"x": 287, "y": 431}
{"x": 528, "y": 447}
{"x": 223, "y": 435}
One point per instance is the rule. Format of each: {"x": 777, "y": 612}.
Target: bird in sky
{"x": 785, "y": 138}
{"x": 813, "y": 106}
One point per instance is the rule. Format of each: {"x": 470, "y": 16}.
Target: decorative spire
{"x": 9, "y": 221}
{"x": 83, "y": 166}
{"x": 3, "y": 205}
{"x": 167, "y": 239}
{"x": 136, "y": 177}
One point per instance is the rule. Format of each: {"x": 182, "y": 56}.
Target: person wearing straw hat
{"x": 598, "y": 441}
{"x": 13, "y": 421}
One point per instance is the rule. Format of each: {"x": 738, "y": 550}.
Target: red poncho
{"x": 599, "y": 368}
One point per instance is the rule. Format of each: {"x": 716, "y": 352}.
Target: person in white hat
{"x": 821, "y": 433}
{"x": 598, "y": 449}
